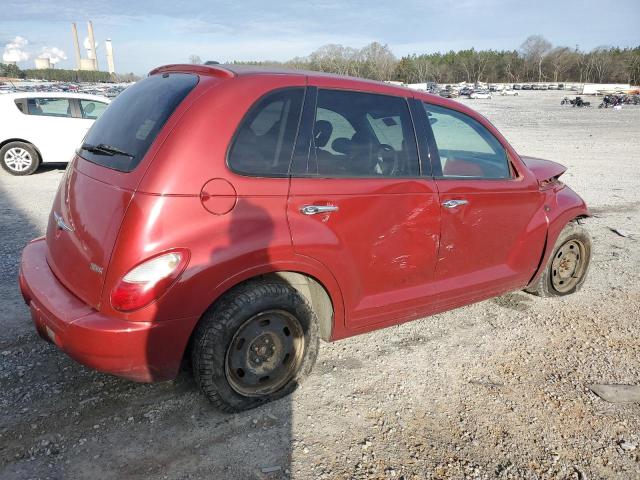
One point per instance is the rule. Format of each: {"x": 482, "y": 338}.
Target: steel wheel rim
{"x": 265, "y": 353}
{"x": 18, "y": 159}
{"x": 568, "y": 265}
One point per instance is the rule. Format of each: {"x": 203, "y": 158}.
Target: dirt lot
{"x": 493, "y": 390}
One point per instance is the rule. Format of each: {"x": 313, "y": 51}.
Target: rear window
{"x": 120, "y": 138}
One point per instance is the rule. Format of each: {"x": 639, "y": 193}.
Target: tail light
{"x": 149, "y": 280}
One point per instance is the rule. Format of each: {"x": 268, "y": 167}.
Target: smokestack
{"x": 109, "y": 50}
{"x": 92, "y": 40}
{"x": 76, "y": 45}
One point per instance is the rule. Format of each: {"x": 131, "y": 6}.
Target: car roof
{"x": 84, "y": 96}
{"x": 232, "y": 71}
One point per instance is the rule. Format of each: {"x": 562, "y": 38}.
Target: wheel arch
{"x": 317, "y": 286}
{"x": 9, "y": 140}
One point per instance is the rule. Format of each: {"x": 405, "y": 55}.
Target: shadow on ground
{"x": 61, "y": 420}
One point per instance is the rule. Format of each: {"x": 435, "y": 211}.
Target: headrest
{"x": 342, "y": 145}
{"x": 322, "y": 133}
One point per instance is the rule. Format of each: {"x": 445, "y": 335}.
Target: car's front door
{"x": 493, "y": 219}
{"x": 359, "y": 205}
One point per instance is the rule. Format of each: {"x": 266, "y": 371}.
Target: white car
{"x": 39, "y": 127}
{"x": 480, "y": 94}
{"x": 509, "y": 92}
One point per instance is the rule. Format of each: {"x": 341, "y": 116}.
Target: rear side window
{"x": 264, "y": 141}
{"x": 465, "y": 147}
{"x": 121, "y": 137}
{"x": 49, "y": 107}
{"x": 21, "y": 103}
{"x": 358, "y": 134}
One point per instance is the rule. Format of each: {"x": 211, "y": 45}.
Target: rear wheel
{"x": 568, "y": 265}
{"x": 255, "y": 345}
{"x": 19, "y": 158}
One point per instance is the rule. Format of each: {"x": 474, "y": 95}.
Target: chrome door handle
{"x": 454, "y": 203}
{"x": 315, "y": 209}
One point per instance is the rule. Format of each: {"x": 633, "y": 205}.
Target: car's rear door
{"x": 493, "y": 220}
{"x": 52, "y": 127}
{"x": 359, "y": 205}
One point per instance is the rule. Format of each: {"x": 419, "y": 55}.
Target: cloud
{"x": 54, "y": 54}
{"x": 15, "y": 51}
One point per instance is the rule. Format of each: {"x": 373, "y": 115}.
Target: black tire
{"x": 19, "y": 168}
{"x": 217, "y": 332}
{"x": 573, "y": 238}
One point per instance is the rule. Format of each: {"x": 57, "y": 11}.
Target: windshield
{"x": 120, "y": 138}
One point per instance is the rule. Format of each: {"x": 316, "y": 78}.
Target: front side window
{"x": 264, "y": 141}
{"x": 466, "y": 148}
{"x": 91, "y": 109}
{"x": 49, "y": 107}
{"x": 359, "y": 134}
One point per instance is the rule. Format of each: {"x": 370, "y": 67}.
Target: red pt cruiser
{"x": 236, "y": 216}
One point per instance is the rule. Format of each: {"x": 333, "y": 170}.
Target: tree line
{"x": 61, "y": 75}
{"x": 537, "y": 60}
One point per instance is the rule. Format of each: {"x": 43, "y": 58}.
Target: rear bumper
{"x": 139, "y": 351}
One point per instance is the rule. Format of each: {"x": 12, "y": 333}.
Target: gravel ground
{"x": 494, "y": 390}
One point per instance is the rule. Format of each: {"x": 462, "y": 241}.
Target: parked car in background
{"x": 527, "y": 86}
{"x": 466, "y": 91}
{"x": 506, "y": 92}
{"x": 322, "y": 207}
{"x": 517, "y": 86}
{"x": 484, "y": 94}
{"x": 41, "y": 127}
{"x": 449, "y": 93}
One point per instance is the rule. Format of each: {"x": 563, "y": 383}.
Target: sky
{"x": 148, "y": 33}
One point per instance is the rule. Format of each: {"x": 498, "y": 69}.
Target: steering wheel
{"x": 386, "y": 161}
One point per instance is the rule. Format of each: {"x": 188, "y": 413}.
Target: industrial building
{"x": 90, "y": 62}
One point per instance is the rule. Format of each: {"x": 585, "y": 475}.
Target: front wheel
{"x": 19, "y": 158}
{"x": 567, "y": 268}
{"x": 255, "y": 345}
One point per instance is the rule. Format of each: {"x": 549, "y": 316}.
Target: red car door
{"x": 358, "y": 204}
{"x": 493, "y": 219}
